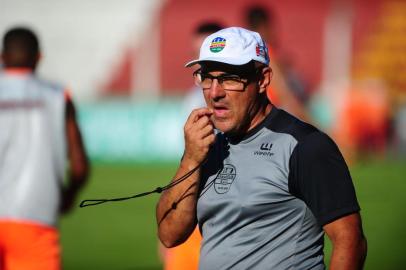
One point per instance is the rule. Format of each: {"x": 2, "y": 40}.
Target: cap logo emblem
{"x": 217, "y": 44}
{"x": 261, "y": 51}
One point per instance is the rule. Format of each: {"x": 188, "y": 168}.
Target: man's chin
{"x": 223, "y": 127}
{"x": 220, "y": 124}
{"x": 228, "y": 129}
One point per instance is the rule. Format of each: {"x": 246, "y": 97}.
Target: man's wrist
{"x": 189, "y": 164}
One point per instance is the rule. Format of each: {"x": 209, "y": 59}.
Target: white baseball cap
{"x": 233, "y": 46}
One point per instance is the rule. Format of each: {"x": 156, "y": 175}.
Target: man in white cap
{"x": 266, "y": 186}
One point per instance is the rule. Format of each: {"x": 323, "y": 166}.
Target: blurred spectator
{"x": 38, "y": 127}
{"x": 357, "y": 116}
{"x": 400, "y": 130}
{"x": 186, "y": 256}
{"x": 286, "y": 91}
{"x": 362, "y": 121}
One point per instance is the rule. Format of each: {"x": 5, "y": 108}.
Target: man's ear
{"x": 265, "y": 80}
{"x": 38, "y": 58}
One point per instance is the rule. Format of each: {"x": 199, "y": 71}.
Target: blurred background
{"x": 343, "y": 63}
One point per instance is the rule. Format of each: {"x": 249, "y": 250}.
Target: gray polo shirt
{"x": 265, "y": 197}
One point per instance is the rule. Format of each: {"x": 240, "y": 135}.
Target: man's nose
{"x": 216, "y": 90}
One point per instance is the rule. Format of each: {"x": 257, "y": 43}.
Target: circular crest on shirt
{"x": 224, "y": 179}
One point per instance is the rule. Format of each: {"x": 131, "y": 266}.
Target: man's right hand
{"x": 175, "y": 224}
{"x": 199, "y": 136}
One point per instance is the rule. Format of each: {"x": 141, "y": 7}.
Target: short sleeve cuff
{"x": 334, "y": 215}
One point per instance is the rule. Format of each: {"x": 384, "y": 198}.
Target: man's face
{"x": 234, "y": 111}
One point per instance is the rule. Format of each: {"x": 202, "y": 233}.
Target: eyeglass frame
{"x": 250, "y": 78}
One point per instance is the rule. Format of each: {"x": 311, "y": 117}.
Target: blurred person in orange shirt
{"x": 184, "y": 256}
{"x": 39, "y": 134}
{"x": 362, "y": 121}
{"x": 286, "y": 89}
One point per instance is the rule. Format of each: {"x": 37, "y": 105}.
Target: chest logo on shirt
{"x": 224, "y": 179}
{"x": 264, "y": 150}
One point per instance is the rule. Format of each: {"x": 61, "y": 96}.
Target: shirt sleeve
{"x": 320, "y": 177}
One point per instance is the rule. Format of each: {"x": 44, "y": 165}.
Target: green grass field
{"x": 122, "y": 235}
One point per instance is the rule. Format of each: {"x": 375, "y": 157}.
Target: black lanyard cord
{"x": 92, "y": 202}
